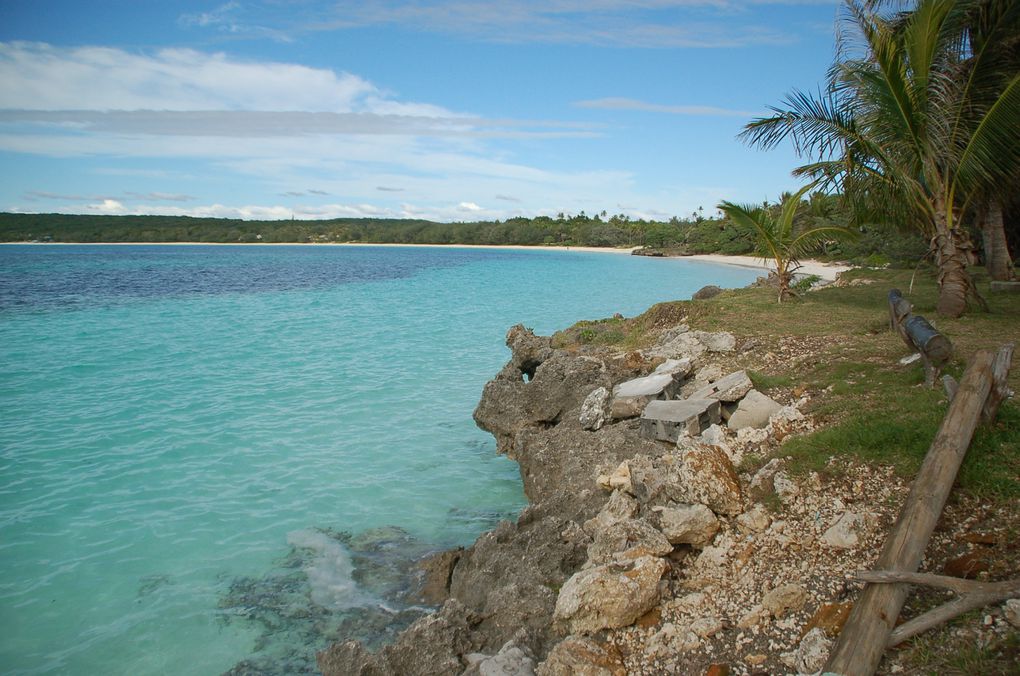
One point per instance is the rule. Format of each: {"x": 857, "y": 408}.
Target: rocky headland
{"x": 664, "y": 534}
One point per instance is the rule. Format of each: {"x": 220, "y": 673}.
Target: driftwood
{"x": 1000, "y": 387}
{"x": 934, "y": 348}
{"x": 860, "y": 645}
{"x": 971, "y": 595}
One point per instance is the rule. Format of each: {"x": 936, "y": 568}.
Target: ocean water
{"x": 214, "y": 456}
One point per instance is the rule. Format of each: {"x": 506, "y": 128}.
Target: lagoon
{"x": 194, "y": 438}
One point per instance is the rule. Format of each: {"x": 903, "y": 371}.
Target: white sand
{"x": 827, "y": 271}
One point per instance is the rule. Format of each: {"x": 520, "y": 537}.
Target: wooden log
{"x": 899, "y": 309}
{"x": 860, "y": 645}
{"x": 972, "y": 595}
{"x": 1000, "y": 386}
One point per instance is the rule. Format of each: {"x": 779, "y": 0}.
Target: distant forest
{"x": 693, "y": 235}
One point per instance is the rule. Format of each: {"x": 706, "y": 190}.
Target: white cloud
{"x": 634, "y": 104}
{"x": 36, "y": 76}
{"x": 612, "y": 23}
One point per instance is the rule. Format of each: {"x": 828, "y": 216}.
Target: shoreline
{"x": 826, "y": 271}
{"x": 510, "y": 247}
{"x": 808, "y": 266}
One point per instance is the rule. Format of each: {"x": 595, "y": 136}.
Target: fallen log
{"x": 918, "y": 334}
{"x": 971, "y": 596}
{"x": 860, "y": 645}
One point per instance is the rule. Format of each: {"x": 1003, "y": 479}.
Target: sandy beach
{"x": 827, "y": 271}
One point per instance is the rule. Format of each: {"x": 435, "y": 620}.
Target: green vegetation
{"x": 684, "y": 236}
{"x": 778, "y": 239}
{"x": 835, "y": 345}
{"x": 920, "y": 130}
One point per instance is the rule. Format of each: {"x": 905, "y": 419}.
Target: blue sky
{"x": 439, "y": 109}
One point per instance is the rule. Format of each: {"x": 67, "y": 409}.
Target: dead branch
{"x": 972, "y": 595}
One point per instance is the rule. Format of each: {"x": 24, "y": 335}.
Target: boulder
{"x": 842, "y": 534}
{"x": 812, "y": 652}
{"x": 1011, "y": 611}
{"x": 763, "y": 482}
{"x": 669, "y": 420}
{"x": 621, "y": 506}
{"x": 722, "y": 341}
{"x": 609, "y": 596}
{"x": 706, "y": 292}
{"x": 528, "y": 351}
{"x": 511, "y": 660}
{"x": 754, "y": 520}
{"x": 432, "y": 645}
{"x": 436, "y": 571}
{"x": 730, "y": 388}
{"x": 688, "y": 524}
{"x": 706, "y": 475}
{"x": 580, "y": 656}
{"x": 627, "y": 539}
{"x": 785, "y": 598}
{"x": 753, "y": 411}
{"x": 595, "y": 409}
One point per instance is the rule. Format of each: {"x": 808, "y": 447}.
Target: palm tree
{"x": 777, "y": 237}
{"x": 917, "y": 129}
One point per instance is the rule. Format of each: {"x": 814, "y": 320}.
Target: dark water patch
{"x": 76, "y": 277}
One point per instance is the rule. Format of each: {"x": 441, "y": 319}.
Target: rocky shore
{"x": 663, "y": 534}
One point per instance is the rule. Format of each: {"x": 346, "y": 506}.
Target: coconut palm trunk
{"x": 993, "y": 231}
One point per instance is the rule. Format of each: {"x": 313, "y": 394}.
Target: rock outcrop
{"x": 608, "y": 510}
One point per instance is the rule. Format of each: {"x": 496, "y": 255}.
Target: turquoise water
{"x": 193, "y": 439}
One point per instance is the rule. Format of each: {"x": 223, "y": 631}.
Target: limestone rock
{"x": 594, "y": 409}
{"x": 528, "y": 350}
{"x": 785, "y": 598}
{"x": 620, "y": 507}
{"x": 706, "y": 292}
{"x": 707, "y": 627}
{"x": 753, "y": 411}
{"x": 714, "y": 436}
{"x": 678, "y": 344}
{"x": 785, "y": 487}
{"x": 579, "y": 656}
{"x": 812, "y": 652}
{"x": 688, "y": 524}
{"x": 754, "y": 520}
{"x": 706, "y": 475}
{"x": 432, "y": 645}
{"x": 1011, "y": 611}
{"x": 511, "y": 660}
{"x": 842, "y": 534}
{"x": 723, "y": 341}
{"x": 436, "y": 572}
{"x": 732, "y": 387}
{"x": 763, "y": 482}
{"x": 609, "y": 596}
{"x": 752, "y": 617}
{"x": 629, "y": 539}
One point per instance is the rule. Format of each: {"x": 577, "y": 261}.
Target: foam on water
{"x": 172, "y": 417}
{"x": 330, "y": 572}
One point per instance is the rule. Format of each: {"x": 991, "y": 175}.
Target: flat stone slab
{"x": 668, "y": 420}
{"x": 631, "y": 397}
{"x": 1005, "y": 287}
{"x": 728, "y": 388}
